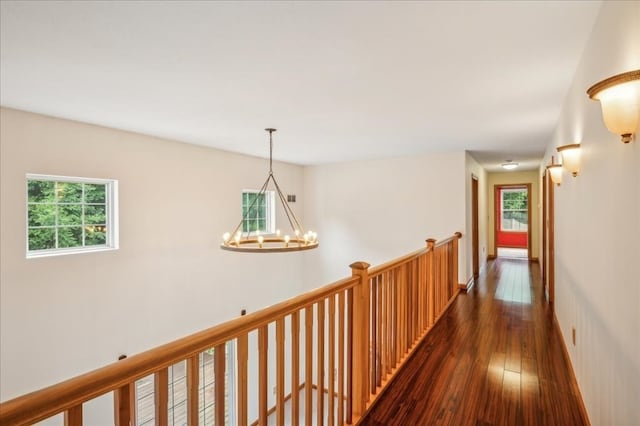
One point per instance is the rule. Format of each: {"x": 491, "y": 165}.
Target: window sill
{"x": 63, "y": 252}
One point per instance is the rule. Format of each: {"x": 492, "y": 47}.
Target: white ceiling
{"x": 340, "y": 80}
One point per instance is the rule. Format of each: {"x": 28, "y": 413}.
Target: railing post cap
{"x": 359, "y": 265}
{"x": 431, "y": 242}
{"x": 458, "y": 234}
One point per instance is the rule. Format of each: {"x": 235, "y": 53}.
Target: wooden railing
{"x": 342, "y": 343}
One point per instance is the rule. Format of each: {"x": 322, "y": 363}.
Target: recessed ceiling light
{"x": 509, "y": 165}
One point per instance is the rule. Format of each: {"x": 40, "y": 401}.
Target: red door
{"x": 512, "y": 216}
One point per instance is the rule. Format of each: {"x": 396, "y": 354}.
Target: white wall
{"x": 474, "y": 169}
{"x": 598, "y": 231}
{"x": 64, "y": 315}
{"x": 375, "y": 211}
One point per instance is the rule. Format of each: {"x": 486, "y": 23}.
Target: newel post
{"x": 431, "y": 281}
{"x": 454, "y": 272}
{"x": 360, "y": 341}
{"x": 124, "y": 402}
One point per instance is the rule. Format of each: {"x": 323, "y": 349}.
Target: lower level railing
{"x": 334, "y": 350}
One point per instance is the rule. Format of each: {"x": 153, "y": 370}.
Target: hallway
{"x": 494, "y": 359}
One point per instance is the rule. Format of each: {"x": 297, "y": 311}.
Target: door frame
{"x": 475, "y": 234}
{"x": 549, "y": 239}
{"x": 496, "y": 223}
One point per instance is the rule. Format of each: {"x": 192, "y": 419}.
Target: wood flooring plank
{"x": 494, "y": 358}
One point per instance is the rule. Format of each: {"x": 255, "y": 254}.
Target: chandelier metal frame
{"x": 254, "y": 242}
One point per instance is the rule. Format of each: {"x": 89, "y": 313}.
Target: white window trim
{"x": 270, "y": 207}
{"x": 113, "y": 241}
{"x": 502, "y": 209}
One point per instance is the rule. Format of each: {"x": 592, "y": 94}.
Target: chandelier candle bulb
{"x": 225, "y": 237}
{"x": 260, "y": 241}
{"x": 286, "y": 240}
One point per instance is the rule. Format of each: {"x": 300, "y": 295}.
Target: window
{"x": 514, "y": 209}
{"x": 258, "y": 212}
{"x": 68, "y": 215}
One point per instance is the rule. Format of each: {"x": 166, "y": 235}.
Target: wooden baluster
{"x": 417, "y": 268}
{"x": 349, "y": 343}
{"x": 417, "y": 313}
{"x": 331, "y": 361}
{"x": 280, "y": 371}
{"x": 403, "y": 311}
{"x": 242, "y": 357}
{"x": 308, "y": 365}
{"x": 122, "y": 402}
{"x": 295, "y": 368}
{"x": 431, "y": 282}
{"x": 456, "y": 253}
{"x": 73, "y": 416}
{"x": 382, "y": 300}
{"x": 411, "y": 306}
{"x": 193, "y": 364}
{"x": 396, "y": 318}
{"x": 389, "y": 316}
{"x": 341, "y": 354}
{"x": 219, "y": 360}
{"x": 320, "y": 364}
{"x": 379, "y": 327}
{"x": 422, "y": 288}
{"x": 263, "y": 371}
{"x": 161, "y": 397}
{"x": 373, "y": 346}
{"x": 446, "y": 275}
{"x": 443, "y": 278}
{"x": 438, "y": 268}
{"x": 360, "y": 342}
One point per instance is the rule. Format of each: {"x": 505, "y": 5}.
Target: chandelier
{"x": 257, "y": 242}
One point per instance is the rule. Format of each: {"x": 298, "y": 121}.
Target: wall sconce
{"x": 555, "y": 171}
{"x": 570, "y": 157}
{"x": 620, "y": 99}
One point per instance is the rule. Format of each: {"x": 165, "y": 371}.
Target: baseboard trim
{"x": 574, "y": 382}
{"x": 466, "y": 286}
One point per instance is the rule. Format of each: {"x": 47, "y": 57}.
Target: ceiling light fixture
{"x": 570, "y": 157}
{"x": 509, "y": 165}
{"x": 620, "y": 99}
{"x": 257, "y": 243}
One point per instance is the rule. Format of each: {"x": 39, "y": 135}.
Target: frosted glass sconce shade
{"x": 571, "y": 157}
{"x": 619, "y": 97}
{"x": 555, "y": 171}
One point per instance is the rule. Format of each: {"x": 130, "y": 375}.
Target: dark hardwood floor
{"x": 496, "y": 358}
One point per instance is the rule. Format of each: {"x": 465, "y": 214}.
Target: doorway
{"x": 474, "y": 227}
{"x": 548, "y": 238}
{"x": 512, "y": 231}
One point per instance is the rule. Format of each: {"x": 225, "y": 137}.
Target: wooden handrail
{"x": 455, "y": 236}
{"x": 398, "y": 301}
{"x": 377, "y": 270}
{"x": 49, "y": 401}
